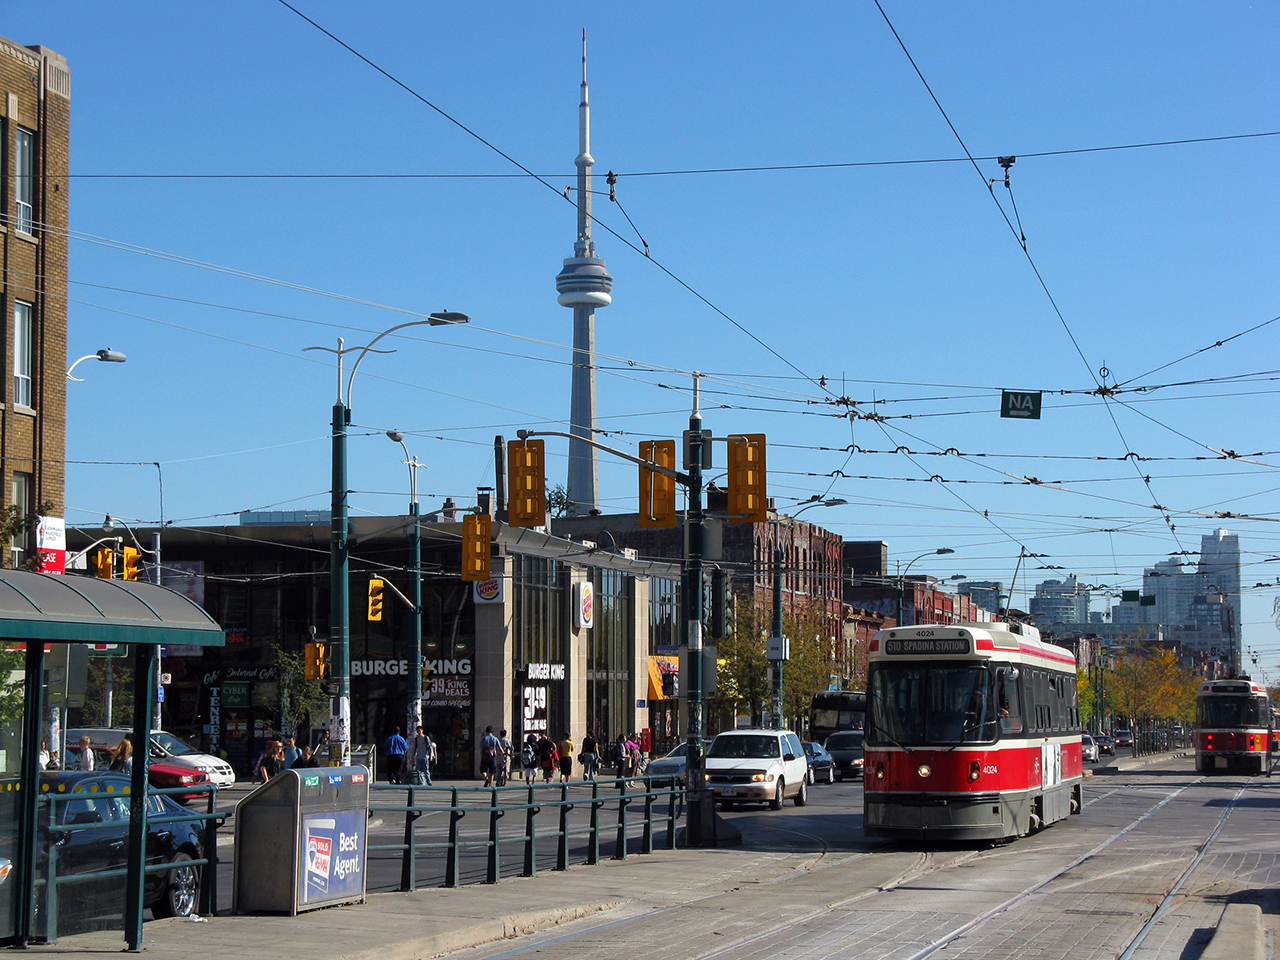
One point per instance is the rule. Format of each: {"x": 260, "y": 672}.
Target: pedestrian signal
{"x": 106, "y": 563}
{"x": 314, "y": 665}
{"x": 132, "y": 557}
{"x": 375, "y": 598}
{"x": 475, "y": 546}
{"x": 657, "y": 490}
{"x": 747, "y": 499}
{"x": 528, "y": 482}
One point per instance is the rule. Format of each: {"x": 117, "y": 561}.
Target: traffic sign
{"x": 1020, "y": 404}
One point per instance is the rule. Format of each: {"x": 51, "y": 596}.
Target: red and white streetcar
{"x": 1233, "y": 727}
{"x": 972, "y": 733}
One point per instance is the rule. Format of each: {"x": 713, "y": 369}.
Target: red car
{"x": 159, "y": 775}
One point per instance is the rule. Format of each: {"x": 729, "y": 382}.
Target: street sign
{"x": 107, "y": 649}
{"x": 1020, "y": 404}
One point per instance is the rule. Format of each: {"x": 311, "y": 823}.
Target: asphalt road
{"x": 1127, "y": 878}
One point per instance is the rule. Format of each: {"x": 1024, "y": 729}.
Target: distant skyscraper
{"x": 583, "y": 284}
{"x": 985, "y": 593}
{"x": 1220, "y": 567}
{"x": 1060, "y": 601}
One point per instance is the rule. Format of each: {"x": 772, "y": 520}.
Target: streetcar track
{"x": 924, "y": 865}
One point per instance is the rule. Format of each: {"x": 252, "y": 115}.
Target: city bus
{"x": 972, "y": 733}
{"x": 1233, "y": 727}
{"x": 836, "y": 710}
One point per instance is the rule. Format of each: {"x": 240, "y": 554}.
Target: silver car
{"x": 1088, "y": 749}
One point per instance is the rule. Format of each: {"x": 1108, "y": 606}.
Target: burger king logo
{"x": 488, "y": 591}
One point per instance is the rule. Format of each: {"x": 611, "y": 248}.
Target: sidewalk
{"x": 428, "y": 922}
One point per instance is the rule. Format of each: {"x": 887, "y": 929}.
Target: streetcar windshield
{"x": 1226, "y": 711}
{"x": 935, "y": 704}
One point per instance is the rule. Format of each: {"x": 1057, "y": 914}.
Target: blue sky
{"x": 243, "y": 188}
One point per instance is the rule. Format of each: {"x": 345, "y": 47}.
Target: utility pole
{"x": 700, "y": 826}
{"x": 777, "y": 627}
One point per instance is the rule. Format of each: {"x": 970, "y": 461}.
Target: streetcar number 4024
{"x": 989, "y": 770}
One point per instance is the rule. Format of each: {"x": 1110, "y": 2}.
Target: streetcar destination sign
{"x": 923, "y": 646}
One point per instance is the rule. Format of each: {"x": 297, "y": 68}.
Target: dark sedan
{"x": 98, "y": 803}
{"x": 1106, "y": 746}
{"x": 845, "y": 748}
{"x": 821, "y": 766}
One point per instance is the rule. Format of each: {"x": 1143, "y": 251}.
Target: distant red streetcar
{"x": 972, "y": 733}
{"x": 1233, "y": 727}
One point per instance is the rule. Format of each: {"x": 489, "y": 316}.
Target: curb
{"x": 1239, "y": 934}
{"x": 502, "y": 928}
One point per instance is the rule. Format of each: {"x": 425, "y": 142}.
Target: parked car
{"x": 846, "y": 751}
{"x": 164, "y": 747}
{"x": 102, "y": 797}
{"x": 758, "y": 765}
{"x": 821, "y": 765}
{"x": 1106, "y": 746}
{"x": 159, "y": 775}
{"x": 1088, "y": 749}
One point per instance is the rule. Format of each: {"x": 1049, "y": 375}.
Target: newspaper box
{"x": 300, "y": 841}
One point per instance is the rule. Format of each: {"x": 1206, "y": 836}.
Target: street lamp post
{"x": 415, "y": 537}
{"x": 106, "y": 355}
{"x": 340, "y": 529}
{"x": 778, "y": 557}
{"x": 903, "y": 575}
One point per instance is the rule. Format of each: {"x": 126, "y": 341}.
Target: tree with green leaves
{"x": 296, "y": 698}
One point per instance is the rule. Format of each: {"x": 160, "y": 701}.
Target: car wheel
{"x": 808, "y": 777}
{"x": 776, "y": 802}
{"x": 831, "y": 775}
{"x": 181, "y": 890}
{"x": 802, "y": 795}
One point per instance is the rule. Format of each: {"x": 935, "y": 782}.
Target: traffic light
{"x": 375, "y": 598}
{"x": 657, "y": 490}
{"x": 719, "y": 625}
{"x": 747, "y": 500}
{"x": 475, "y": 546}
{"x": 106, "y": 563}
{"x": 313, "y": 658}
{"x": 132, "y": 556}
{"x": 528, "y": 482}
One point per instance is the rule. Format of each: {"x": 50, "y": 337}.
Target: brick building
{"x": 35, "y": 111}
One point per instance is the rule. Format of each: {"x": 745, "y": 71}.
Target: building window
{"x": 21, "y": 502}
{"x": 24, "y": 178}
{"x": 22, "y": 353}
{"x": 611, "y": 656}
{"x": 664, "y": 615}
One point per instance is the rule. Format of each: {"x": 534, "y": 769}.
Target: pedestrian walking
{"x": 565, "y": 748}
{"x": 421, "y": 753}
{"x": 529, "y": 759}
{"x": 86, "y": 756}
{"x": 504, "y": 761}
{"x": 270, "y": 763}
{"x": 590, "y": 756}
{"x": 122, "y": 757}
{"x": 548, "y": 757}
{"x": 632, "y": 745}
{"x": 395, "y": 747}
{"x": 306, "y": 760}
{"x": 490, "y": 747}
{"x": 291, "y": 752}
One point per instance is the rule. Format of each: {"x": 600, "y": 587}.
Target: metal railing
{"x": 556, "y": 800}
{"x": 56, "y": 834}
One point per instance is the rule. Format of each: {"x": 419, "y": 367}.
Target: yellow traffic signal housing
{"x": 475, "y": 546}
{"x": 375, "y": 598}
{"x": 106, "y": 563}
{"x": 747, "y": 500}
{"x": 657, "y": 490}
{"x": 526, "y": 474}
{"x": 314, "y": 663}
{"x": 132, "y": 556}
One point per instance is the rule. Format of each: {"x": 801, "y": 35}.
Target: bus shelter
{"x": 38, "y": 609}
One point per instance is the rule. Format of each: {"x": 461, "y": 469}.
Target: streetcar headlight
{"x": 975, "y": 769}
{"x": 925, "y": 770}
{"x": 880, "y": 770}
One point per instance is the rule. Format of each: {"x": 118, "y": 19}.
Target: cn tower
{"x": 583, "y": 285}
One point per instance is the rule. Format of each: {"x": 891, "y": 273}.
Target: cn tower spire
{"x": 583, "y": 285}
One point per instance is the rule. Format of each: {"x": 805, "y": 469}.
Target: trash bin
{"x": 363, "y": 754}
{"x": 300, "y": 841}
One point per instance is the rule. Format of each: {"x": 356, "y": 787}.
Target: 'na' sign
{"x": 1020, "y": 405}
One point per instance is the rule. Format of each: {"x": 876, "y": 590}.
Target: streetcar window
{"x": 951, "y": 704}
{"x": 1010, "y": 704}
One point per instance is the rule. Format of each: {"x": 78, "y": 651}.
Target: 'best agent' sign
{"x": 1020, "y": 404}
